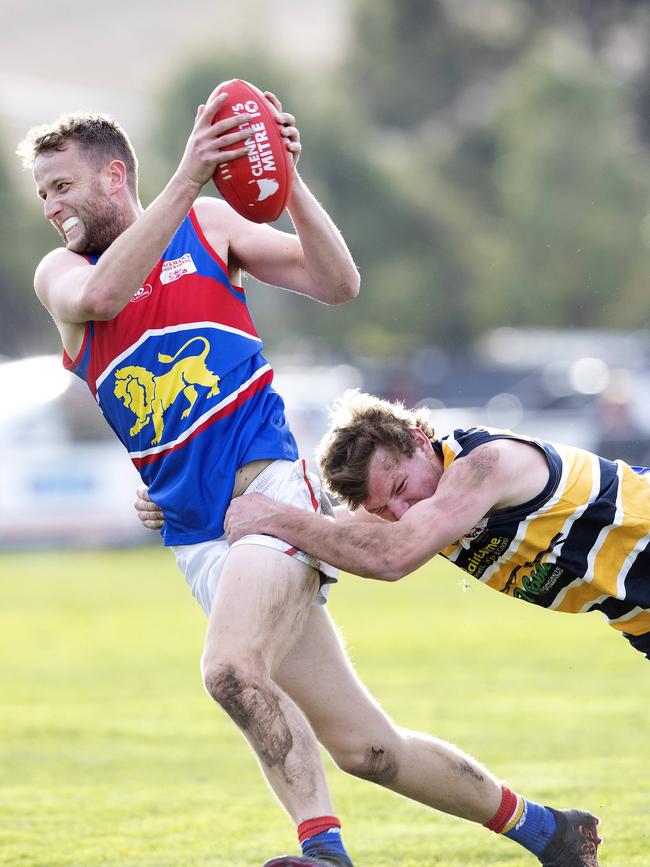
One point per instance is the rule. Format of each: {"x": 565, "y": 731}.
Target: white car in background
{"x": 65, "y": 480}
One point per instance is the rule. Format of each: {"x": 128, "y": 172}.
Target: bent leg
{"x": 260, "y": 607}
{"x": 362, "y": 739}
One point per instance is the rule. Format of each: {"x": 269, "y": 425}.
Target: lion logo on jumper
{"x": 148, "y": 396}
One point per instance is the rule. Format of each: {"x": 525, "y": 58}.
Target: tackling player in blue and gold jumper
{"x": 549, "y": 524}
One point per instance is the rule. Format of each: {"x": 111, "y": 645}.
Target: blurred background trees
{"x": 487, "y": 164}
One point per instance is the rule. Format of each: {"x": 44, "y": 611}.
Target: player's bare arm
{"x": 472, "y": 487}
{"x": 151, "y": 516}
{"x": 314, "y": 262}
{"x": 75, "y": 292}
{"x": 379, "y": 549}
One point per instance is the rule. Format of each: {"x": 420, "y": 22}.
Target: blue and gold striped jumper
{"x": 583, "y": 544}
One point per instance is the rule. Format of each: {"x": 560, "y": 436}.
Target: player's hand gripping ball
{"x": 257, "y": 185}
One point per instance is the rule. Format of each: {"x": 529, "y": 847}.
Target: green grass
{"x": 111, "y": 754}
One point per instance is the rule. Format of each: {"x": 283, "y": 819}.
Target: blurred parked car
{"x": 65, "y": 480}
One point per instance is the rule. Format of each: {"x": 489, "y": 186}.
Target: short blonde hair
{"x": 359, "y": 424}
{"x": 101, "y": 139}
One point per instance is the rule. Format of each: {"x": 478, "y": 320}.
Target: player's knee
{"x": 234, "y": 687}
{"x": 375, "y": 763}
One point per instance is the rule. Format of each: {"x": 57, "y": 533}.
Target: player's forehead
{"x": 383, "y": 469}
{"x": 51, "y": 164}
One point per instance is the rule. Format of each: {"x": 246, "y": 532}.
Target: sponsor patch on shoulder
{"x": 173, "y": 269}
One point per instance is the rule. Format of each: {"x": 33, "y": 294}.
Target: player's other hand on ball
{"x": 149, "y": 514}
{"x": 247, "y": 515}
{"x": 288, "y": 128}
{"x": 211, "y": 144}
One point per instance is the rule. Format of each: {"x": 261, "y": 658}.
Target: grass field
{"x": 111, "y": 754}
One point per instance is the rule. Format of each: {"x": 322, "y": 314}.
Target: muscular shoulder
{"x": 517, "y": 469}
{"x": 481, "y": 466}
{"x": 221, "y": 227}
{"x": 54, "y": 265}
{"x": 60, "y": 257}
{"x": 244, "y": 245}
{"x": 215, "y": 216}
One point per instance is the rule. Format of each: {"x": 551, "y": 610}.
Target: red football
{"x": 258, "y": 184}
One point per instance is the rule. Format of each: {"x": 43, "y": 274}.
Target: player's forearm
{"x": 328, "y": 262}
{"x": 376, "y": 550}
{"x": 126, "y": 263}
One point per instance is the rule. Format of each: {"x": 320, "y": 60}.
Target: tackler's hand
{"x": 149, "y": 514}
{"x": 248, "y": 515}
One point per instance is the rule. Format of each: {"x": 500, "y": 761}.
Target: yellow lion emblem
{"x": 148, "y": 396}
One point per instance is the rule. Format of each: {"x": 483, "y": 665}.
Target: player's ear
{"x": 117, "y": 176}
{"x": 421, "y": 440}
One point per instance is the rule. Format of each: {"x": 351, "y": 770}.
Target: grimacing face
{"x": 395, "y": 483}
{"x": 76, "y": 200}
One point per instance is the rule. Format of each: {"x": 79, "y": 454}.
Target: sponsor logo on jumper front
{"x": 530, "y": 581}
{"x": 486, "y": 555}
{"x": 143, "y": 292}
{"x": 172, "y": 269}
{"x": 260, "y": 152}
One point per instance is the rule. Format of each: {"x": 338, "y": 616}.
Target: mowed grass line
{"x": 111, "y": 754}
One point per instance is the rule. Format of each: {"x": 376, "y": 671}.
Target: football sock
{"x": 525, "y": 822}
{"x": 321, "y": 836}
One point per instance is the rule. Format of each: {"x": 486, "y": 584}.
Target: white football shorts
{"x": 285, "y": 481}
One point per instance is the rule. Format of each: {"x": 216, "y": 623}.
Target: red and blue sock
{"x": 322, "y": 836}
{"x": 523, "y": 821}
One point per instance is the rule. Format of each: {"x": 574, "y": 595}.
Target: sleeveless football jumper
{"x": 180, "y": 377}
{"x": 583, "y": 544}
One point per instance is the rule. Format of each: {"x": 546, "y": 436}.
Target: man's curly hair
{"x": 100, "y": 138}
{"x": 359, "y": 424}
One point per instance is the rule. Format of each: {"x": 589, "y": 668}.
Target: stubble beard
{"x": 102, "y": 222}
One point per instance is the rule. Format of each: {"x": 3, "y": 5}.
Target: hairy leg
{"x": 363, "y": 741}
{"x": 260, "y": 608}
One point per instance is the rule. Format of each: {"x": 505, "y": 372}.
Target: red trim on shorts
{"x": 314, "y": 501}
